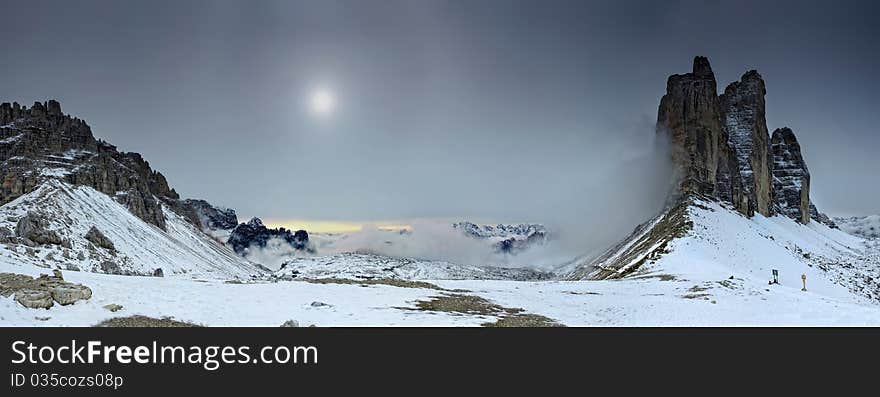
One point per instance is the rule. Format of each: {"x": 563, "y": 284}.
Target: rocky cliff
{"x": 743, "y": 118}
{"x": 41, "y": 142}
{"x": 690, "y": 113}
{"x": 791, "y": 179}
{"x": 722, "y": 147}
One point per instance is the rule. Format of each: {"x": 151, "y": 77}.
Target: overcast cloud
{"x": 486, "y": 110}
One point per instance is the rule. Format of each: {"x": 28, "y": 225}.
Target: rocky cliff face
{"x": 690, "y": 113}
{"x": 204, "y": 215}
{"x": 40, "y": 143}
{"x": 743, "y": 118}
{"x": 722, "y": 146}
{"x": 791, "y": 178}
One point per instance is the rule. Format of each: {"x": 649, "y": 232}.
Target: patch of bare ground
{"x": 138, "y": 321}
{"x": 475, "y": 305}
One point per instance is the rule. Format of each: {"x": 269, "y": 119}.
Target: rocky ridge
{"x": 506, "y": 239}
{"x": 254, "y": 234}
{"x": 41, "y": 142}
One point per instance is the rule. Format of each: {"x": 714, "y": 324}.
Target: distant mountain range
{"x": 508, "y": 239}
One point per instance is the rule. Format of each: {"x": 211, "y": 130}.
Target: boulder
{"x": 66, "y": 294}
{"x": 110, "y": 267}
{"x": 35, "y": 227}
{"x": 34, "y": 298}
{"x": 99, "y": 239}
{"x": 42, "y": 292}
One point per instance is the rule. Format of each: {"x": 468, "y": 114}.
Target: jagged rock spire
{"x": 690, "y": 113}
{"x": 743, "y": 118}
{"x": 723, "y": 148}
{"x": 791, "y": 178}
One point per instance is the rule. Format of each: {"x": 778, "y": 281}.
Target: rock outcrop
{"x": 743, "y": 118}
{"x": 99, "y": 239}
{"x": 690, "y": 113}
{"x": 42, "y": 292}
{"x": 255, "y": 234}
{"x": 34, "y": 227}
{"x": 41, "y": 142}
{"x": 791, "y": 178}
{"x": 204, "y": 215}
{"x": 722, "y": 147}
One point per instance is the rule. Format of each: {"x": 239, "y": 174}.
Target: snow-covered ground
{"x": 717, "y": 274}
{"x": 140, "y": 247}
{"x": 650, "y": 301}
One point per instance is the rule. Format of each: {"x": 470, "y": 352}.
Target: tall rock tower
{"x": 724, "y": 151}
{"x": 791, "y": 179}
{"x": 690, "y": 113}
{"x": 743, "y": 118}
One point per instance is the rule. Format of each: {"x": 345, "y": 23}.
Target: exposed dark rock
{"x": 110, "y": 267}
{"x": 690, "y": 114}
{"x": 791, "y": 179}
{"x": 6, "y": 235}
{"x": 96, "y": 237}
{"x": 743, "y": 118}
{"x": 254, "y": 233}
{"x": 158, "y": 273}
{"x": 35, "y": 227}
{"x": 43, "y": 138}
{"x": 204, "y": 215}
{"x": 722, "y": 147}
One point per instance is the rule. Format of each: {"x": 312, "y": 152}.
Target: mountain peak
{"x": 702, "y": 68}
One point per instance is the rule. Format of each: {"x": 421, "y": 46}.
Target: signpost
{"x": 804, "y": 280}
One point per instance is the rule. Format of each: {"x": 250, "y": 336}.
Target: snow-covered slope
{"x": 862, "y": 226}
{"x": 704, "y": 240}
{"x": 139, "y": 247}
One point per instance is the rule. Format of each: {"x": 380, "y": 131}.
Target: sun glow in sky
{"x": 322, "y": 102}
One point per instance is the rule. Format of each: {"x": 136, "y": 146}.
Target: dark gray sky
{"x": 496, "y": 110}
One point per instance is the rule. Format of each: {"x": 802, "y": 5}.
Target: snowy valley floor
{"x": 715, "y": 275}
{"x": 639, "y": 302}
